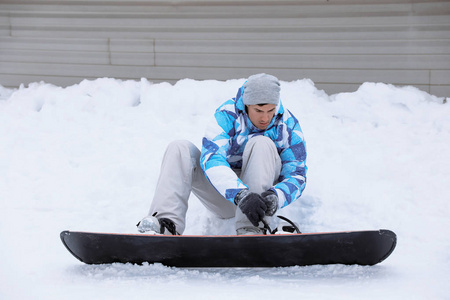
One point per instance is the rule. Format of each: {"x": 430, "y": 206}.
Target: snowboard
{"x": 276, "y": 250}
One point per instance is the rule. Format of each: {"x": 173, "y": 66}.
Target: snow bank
{"x": 87, "y": 157}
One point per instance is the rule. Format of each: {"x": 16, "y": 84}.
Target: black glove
{"x": 270, "y": 199}
{"x": 252, "y": 205}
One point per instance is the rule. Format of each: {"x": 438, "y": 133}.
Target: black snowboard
{"x": 355, "y": 247}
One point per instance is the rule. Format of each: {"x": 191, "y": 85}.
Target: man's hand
{"x": 252, "y": 205}
{"x": 270, "y": 199}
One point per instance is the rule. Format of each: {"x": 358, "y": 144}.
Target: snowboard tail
{"x": 354, "y": 247}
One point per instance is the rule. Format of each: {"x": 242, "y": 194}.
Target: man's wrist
{"x": 239, "y": 196}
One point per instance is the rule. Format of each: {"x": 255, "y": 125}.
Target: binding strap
{"x": 267, "y": 229}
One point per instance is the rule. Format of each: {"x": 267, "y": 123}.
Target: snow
{"x": 87, "y": 157}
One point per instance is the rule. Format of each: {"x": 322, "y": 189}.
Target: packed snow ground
{"x": 87, "y": 157}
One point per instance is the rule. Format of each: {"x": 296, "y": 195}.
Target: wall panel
{"x": 339, "y": 44}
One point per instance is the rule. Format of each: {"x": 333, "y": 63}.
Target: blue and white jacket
{"x": 225, "y": 140}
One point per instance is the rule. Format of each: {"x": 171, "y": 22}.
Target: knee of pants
{"x": 260, "y": 160}
{"x": 184, "y": 146}
{"x": 260, "y": 142}
{"x": 184, "y": 149}
{"x": 179, "y": 144}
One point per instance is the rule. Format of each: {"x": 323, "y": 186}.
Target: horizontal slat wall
{"x": 339, "y": 44}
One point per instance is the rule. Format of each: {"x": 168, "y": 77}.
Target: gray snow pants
{"x": 181, "y": 174}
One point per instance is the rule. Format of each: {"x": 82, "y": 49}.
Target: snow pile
{"x": 87, "y": 157}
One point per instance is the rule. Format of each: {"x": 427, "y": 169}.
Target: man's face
{"x": 261, "y": 115}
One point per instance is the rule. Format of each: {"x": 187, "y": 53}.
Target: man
{"x": 251, "y": 164}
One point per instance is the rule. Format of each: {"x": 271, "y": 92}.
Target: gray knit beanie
{"x": 261, "y": 89}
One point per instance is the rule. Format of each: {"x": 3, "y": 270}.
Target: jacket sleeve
{"x": 292, "y": 180}
{"x": 215, "y": 149}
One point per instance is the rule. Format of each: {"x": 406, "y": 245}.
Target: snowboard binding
{"x": 291, "y": 228}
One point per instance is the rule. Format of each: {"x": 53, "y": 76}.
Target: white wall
{"x": 339, "y": 44}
